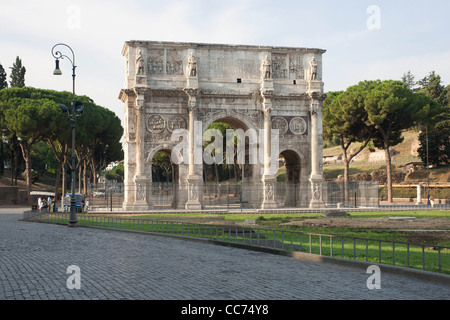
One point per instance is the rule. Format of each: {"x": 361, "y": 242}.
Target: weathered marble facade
{"x": 170, "y": 86}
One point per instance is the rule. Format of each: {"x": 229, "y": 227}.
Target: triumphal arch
{"x": 271, "y": 96}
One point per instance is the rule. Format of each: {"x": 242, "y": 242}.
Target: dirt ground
{"x": 423, "y": 230}
{"x": 417, "y": 224}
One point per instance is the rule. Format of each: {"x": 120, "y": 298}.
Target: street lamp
{"x": 428, "y": 169}
{"x": 428, "y": 173}
{"x": 77, "y": 107}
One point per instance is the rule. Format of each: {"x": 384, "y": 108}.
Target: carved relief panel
{"x": 156, "y": 124}
{"x": 296, "y": 69}
{"x": 279, "y": 66}
{"x": 290, "y": 125}
{"x": 155, "y": 63}
{"x": 174, "y": 64}
{"x": 160, "y": 128}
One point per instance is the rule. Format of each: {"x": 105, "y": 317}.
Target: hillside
{"x": 403, "y": 155}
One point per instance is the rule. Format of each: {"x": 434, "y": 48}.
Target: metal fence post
{"x": 379, "y": 251}
{"x": 354, "y": 248}
{"x": 439, "y": 258}
{"x": 423, "y": 257}
{"x": 320, "y": 245}
{"x": 393, "y": 253}
{"x": 331, "y": 246}
{"x": 367, "y": 250}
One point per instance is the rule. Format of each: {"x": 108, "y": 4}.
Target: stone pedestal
{"x": 142, "y": 195}
{"x": 192, "y": 82}
{"x": 316, "y": 192}
{"x": 269, "y": 189}
{"x": 195, "y": 193}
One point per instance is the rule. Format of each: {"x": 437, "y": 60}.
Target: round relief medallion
{"x": 280, "y": 124}
{"x": 298, "y": 125}
{"x": 176, "y": 122}
{"x": 156, "y": 124}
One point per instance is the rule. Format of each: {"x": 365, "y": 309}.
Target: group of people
{"x": 46, "y": 204}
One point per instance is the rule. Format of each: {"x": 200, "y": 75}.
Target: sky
{"x": 365, "y": 40}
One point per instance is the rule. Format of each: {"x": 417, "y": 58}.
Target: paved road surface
{"x": 34, "y": 259}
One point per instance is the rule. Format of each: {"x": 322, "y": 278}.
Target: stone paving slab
{"x": 119, "y": 265}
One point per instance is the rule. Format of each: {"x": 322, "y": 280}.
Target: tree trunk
{"x": 57, "y": 180}
{"x": 16, "y": 164}
{"x": 2, "y": 163}
{"x": 386, "y": 145}
{"x": 388, "y": 172}
{"x": 348, "y": 158}
{"x": 63, "y": 174}
{"x": 94, "y": 172}
{"x": 26, "y": 151}
{"x": 85, "y": 182}
{"x": 79, "y": 178}
{"x": 346, "y": 179}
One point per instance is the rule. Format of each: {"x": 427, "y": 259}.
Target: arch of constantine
{"x": 271, "y": 96}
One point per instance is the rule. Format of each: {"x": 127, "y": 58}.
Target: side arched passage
{"x": 290, "y": 193}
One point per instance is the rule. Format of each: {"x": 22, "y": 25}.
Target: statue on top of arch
{"x": 266, "y": 69}
{"x": 192, "y": 66}
{"x": 140, "y": 64}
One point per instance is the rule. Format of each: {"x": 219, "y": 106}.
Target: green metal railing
{"x": 403, "y": 254}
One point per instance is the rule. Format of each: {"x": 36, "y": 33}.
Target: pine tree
{"x": 17, "y": 74}
{"x": 3, "y": 77}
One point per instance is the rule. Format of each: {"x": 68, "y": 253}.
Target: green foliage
{"x": 42, "y": 158}
{"x": 3, "y": 77}
{"x": 17, "y": 74}
{"x": 34, "y": 115}
{"x": 438, "y": 125}
{"x": 438, "y": 144}
{"x": 162, "y": 168}
{"x": 115, "y": 173}
{"x": 378, "y": 111}
{"x": 408, "y": 80}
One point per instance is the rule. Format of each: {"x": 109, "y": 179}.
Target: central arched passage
{"x": 232, "y": 178}
{"x": 163, "y": 172}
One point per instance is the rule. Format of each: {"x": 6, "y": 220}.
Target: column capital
{"x": 267, "y": 93}
{"x": 316, "y": 95}
{"x": 192, "y": 93}
{"x": 267, "y": 110}
{"x": 316, "y": 103}
{"x": 141, "y": 92}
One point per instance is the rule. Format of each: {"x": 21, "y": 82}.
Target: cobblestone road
{"x": 117, "y": 265}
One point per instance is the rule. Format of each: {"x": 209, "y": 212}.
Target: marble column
{"x": 194, "y": 177}
{"x": 316, "y": 178}
{"x": 129, "y": 147}
{"x": 141, "y": 181}
{"x": 269, "y": 179}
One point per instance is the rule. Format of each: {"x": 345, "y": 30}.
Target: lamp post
{"x": 76, "y": 107}
{"x": 428, "y": 174}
